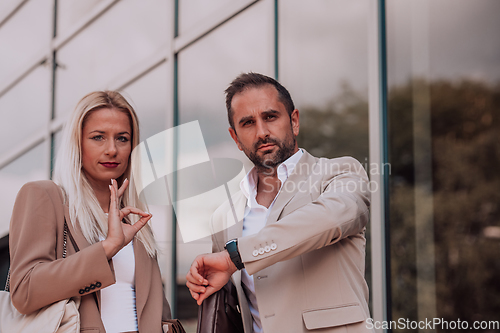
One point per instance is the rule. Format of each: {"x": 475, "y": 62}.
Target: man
{"x": 297, "y": 252}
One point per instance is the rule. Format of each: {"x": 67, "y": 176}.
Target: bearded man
{"x": 297, "y": 251}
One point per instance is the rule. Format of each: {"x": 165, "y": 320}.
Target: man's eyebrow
{"x": 270, "y": 112}
{"x": 244, "y": 119}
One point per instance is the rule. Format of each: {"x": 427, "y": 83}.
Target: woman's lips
{"x": 110, "y": 164}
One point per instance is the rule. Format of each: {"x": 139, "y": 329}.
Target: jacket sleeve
{"x": 339, "y": 211}
{"x": 38, "y": 278}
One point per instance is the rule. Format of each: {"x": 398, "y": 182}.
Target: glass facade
{"x": 443, "y": 69}
{"x": 173, "y": 59}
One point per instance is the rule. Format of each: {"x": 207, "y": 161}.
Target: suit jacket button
{"x": 98, "y": 284}
{"x": 92, "y": 286}
{"x": 267, "y": 248}
{"x": 82, "y": 291}
{"x": 87, "y": 289}
{"x": 261, "y": 250}
{"x": 274, "y": 246}
{"x": 255, "y": 253}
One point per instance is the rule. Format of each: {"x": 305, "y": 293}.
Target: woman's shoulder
{"x": 47, "y": 187}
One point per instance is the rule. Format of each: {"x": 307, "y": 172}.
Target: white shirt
{"x": 118, "y": 310}
{"x": 255, "y": 219}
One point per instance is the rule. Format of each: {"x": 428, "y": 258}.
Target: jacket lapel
{"x": 142, "y": 280}
{"x": 299, "y": 176}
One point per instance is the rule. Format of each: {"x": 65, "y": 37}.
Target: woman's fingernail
{"x": 109, "y": 187}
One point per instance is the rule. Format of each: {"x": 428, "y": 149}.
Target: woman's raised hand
{"x": 119, "y": 233}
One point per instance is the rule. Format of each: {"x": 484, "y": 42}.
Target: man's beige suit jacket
{"x": 308, "y": 262}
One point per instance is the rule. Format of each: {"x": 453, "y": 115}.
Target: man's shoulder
{"x": 326, "y": 166}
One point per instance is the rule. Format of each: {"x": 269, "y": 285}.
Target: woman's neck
{"x": 102, "y": 194}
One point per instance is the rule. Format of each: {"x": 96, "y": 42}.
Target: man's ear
{"x": 294, "y": 118}
{"x": 235, "y": 137}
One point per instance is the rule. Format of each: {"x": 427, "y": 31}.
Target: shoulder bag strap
{"x": 65, "y": 242}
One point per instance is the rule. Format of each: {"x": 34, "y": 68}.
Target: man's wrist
{"x": 232, "y": 249}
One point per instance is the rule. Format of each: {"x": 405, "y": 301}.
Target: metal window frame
{"x": 378, "y": 146}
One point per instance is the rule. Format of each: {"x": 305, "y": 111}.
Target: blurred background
{"x": 413, "y": 85}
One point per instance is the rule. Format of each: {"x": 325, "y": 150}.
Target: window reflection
{"x": 119, "y": 39}
{"x": 72, "y": 11}
{"x": 24, "y": 35}
{"x": 324, "y": 63}
{"x": 148, "y": 96}
{"x": 205, "y": 70}
{"x": 25, "y": 108}
{"x": 30, "y": 166}
{"x": 444, "y": 83}
{"x": 194, "y": 12}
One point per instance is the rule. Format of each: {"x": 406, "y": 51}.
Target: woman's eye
{"x": 97, "y": 137}
{"x": 123, "y": 139}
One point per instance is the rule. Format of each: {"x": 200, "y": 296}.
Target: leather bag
{"x": 220, "y": 312}
{"x": 59, "y": 317}
{"x": 173, "y": 326}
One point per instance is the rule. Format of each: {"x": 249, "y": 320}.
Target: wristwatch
{"x": 234, "y": 254}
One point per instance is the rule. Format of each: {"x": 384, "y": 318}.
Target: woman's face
{"x": 106, "y": 145}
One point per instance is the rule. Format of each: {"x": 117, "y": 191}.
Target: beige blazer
{"x": 308, "y": 262}
{"x": 40, "y": 276}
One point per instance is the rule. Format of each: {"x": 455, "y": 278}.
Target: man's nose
{"x": 262, "y": 129}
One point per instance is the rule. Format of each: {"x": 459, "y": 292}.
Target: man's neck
{"x": 268, "y": 186}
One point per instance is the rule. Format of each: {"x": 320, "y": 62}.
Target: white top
{"x": 118, "y": 311}
{"x": 255, "y": 219}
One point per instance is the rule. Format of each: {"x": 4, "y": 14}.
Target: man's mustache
{"x": 265, "y": 141}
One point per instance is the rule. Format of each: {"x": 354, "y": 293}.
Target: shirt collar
{"x": 248, "y": 184}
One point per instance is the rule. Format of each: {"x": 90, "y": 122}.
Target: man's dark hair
{"x": 255, "y": 80}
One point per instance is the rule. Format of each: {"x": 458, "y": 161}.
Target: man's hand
{"x": 208, "y": 274}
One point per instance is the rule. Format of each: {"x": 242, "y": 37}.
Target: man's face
{"x": 263, "y": 129}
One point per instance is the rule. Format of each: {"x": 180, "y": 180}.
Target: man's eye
{"x": 248, "y": 122}
{"x": 270, "y": 117}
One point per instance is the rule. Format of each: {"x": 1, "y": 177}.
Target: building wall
{"x": 173, "y": 60}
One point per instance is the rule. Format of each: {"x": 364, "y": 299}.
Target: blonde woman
{"x": 111, "y": 253}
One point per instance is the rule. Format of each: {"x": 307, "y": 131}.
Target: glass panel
{"x": 25, "y": 34}
{"x": 444, "y": 83}
{"x": 70, "y": 12}
{"x": 25, "y": 108}
{"x": 193, "y": 12}
{"x": 323, "y": 62}
{"x": 205, "y": 70}
{"x": 107, "y": 48}
{"x": 148, "y": 96}
{"x": 6, "y": 6}
{"x": 30, "y": 166}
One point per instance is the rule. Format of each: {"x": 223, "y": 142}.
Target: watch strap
{"x": 234, "y": 254}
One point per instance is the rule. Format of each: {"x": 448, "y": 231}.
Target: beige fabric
{"x": 60, "y": 317}
{"x": 39, "y": 278}
{"x": 314, "y": 278}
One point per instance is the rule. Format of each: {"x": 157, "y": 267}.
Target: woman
{"x": 110, "y": 264}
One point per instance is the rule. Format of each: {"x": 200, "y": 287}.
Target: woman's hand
{"x": 119, "y": 233}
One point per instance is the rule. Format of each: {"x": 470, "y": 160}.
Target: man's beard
{"x": 267, "y": 163}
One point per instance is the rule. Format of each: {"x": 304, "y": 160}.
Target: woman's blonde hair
{"x": 84, "y": 207}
